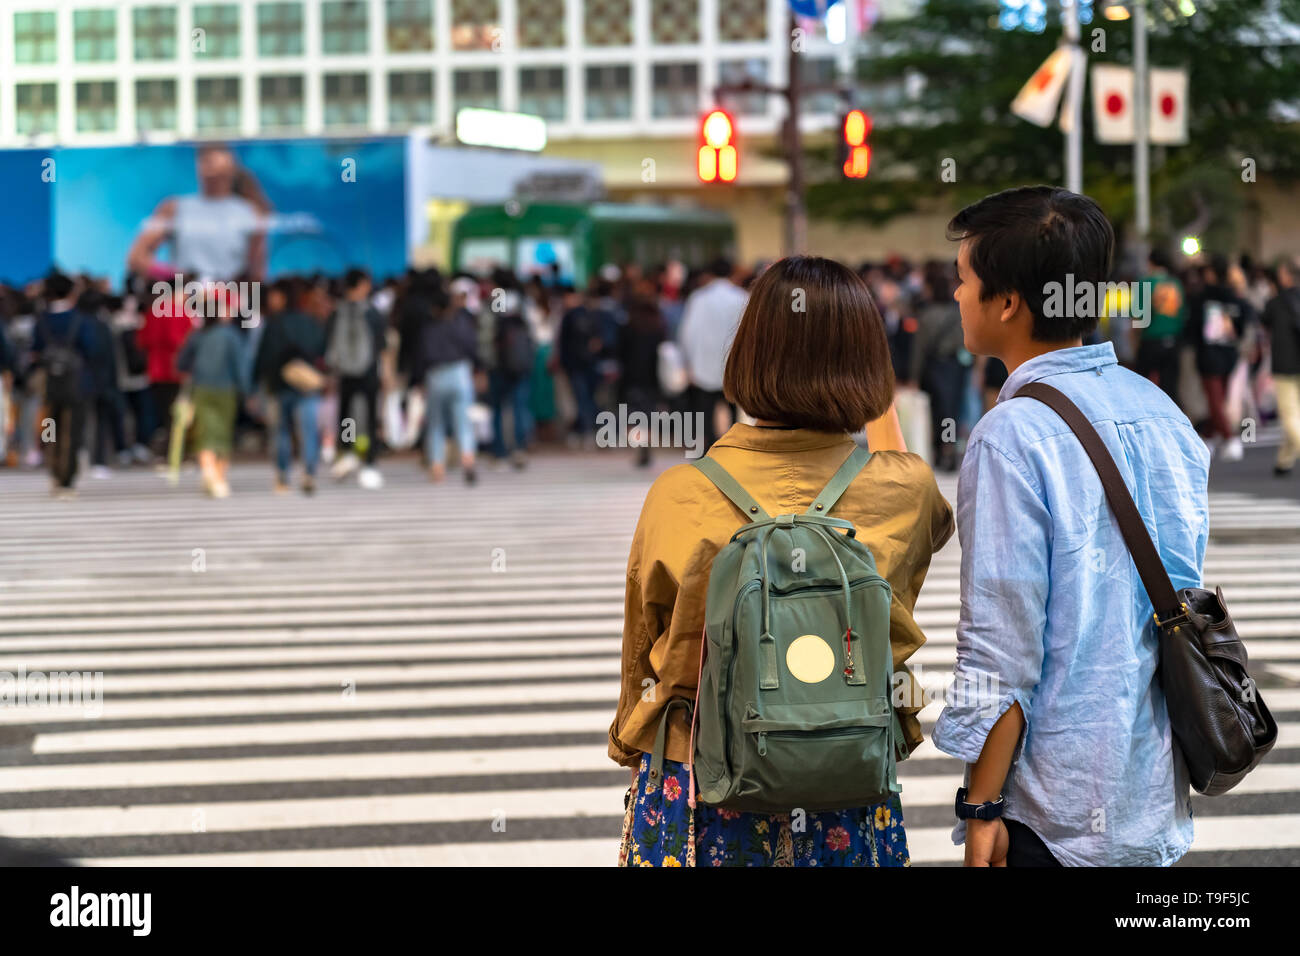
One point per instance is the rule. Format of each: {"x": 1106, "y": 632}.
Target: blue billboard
{"x": 333, "y": 204}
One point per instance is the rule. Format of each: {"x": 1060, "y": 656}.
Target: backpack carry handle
{"x": 804, "y": 519}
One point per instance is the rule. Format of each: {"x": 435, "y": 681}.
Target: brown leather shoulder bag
{"x": 1217, "y": 714}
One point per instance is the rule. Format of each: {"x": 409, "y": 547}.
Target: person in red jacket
{"x": 164, "y": 330}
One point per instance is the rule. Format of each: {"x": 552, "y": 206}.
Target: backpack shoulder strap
{"x": 731, "y": 488}
{"x": 1134, "y": 530}
{"x": 842, "y": 478}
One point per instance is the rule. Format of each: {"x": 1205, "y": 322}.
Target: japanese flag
{"x": 1036, "y": 101}
{"x": 1112, "y": 103}
{"x": 1168, "y": 115}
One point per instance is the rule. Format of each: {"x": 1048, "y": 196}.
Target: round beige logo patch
{"x": 810, "y": 659}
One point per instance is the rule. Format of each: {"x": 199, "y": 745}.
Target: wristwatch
{"x": 989, "y": 810}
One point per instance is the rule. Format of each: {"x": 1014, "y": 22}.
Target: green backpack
{"x": 793, "y": 705}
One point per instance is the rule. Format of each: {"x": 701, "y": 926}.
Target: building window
{"x": 409, "y": 25}
{"x": 675, "y": 89}
{"x": 347, "y": 99}
{"x": 155, "y": 105}
{"x": 540, "y": 24}
{"x": 35, "y": 38}
{"x": 97, "y": 106}
{"x": 676, "y": 21}
{"x": 344, "y": 26}
{"x": 410, "y": 98}
{"x": 475, "y": 24}
{"x": 279, "y": 29}
{"x": 280, "y": 102}
{"x": 607, "y": 22}
{"x": 609, "y": 92}
{"x": 36, "y": 108}
{"x": 153, "y": 33}
{"x": 541, "y": 92}
{"x": 220, "y": 25}
{"x": 475, "y": 88}
{"x": 735, "y": 72}
{"x": 94, "y": 36}
{"x": 216, "y": 103}
{"x": 742, "y": 21}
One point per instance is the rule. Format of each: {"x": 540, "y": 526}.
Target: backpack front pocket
{"x": 825, "y": 756}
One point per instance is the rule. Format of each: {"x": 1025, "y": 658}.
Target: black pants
{"x": 944, "y": 380}
{"x": 368, "y": 389}
{"x": 1159, "y": 360}
{"x": 69, "y": 422}
{"x": 163, "y": 394}
{"x": 107, "y": 409}
{"x": 1025, "y": 847}
{"x": 705, "y": 402}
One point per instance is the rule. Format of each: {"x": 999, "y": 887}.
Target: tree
{"x": 953, "y": 74}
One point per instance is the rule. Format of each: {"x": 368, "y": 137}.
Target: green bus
{"x": 580, "y": 238}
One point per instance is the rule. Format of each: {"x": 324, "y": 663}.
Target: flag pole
{"x": 1141, "y": 133}
{"x": 1074, "y": 134}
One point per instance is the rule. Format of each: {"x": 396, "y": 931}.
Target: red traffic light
{"x": 717, "y": 159}
{"x": 855, "y": 154}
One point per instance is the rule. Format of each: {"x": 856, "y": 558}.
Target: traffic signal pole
{"x": 796, "y": 213}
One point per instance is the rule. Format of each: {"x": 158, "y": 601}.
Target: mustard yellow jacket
{"x": 894, "y": 504}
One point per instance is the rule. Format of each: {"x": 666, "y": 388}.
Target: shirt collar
{"x": 1077, "y": 359}
{"x": 755, "y": 438}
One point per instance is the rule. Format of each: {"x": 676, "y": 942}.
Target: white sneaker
{"x": 1212, "y": 445}
{"x": 1232, "y": 450}
{"x": 345, "y": 466}
{"x": 370, "y": 479}
{"x": 142, "y": 455}
{"x": 99, "y": 472}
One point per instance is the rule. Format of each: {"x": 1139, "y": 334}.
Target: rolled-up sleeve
{"x": 1005, "y": 532}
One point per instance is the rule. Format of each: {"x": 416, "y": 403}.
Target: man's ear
{"x": 1011, "y": 304}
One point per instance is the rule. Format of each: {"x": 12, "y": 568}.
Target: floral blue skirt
{"x": 658, "y": 825}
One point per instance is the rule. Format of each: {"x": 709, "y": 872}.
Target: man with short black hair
{"x": 1056, "y": 707}
{"x": 64, "y": 345}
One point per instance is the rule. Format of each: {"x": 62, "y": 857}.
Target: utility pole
{"x": 796, "y": 216}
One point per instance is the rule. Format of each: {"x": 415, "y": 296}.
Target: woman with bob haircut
{"x": 810, "y": 362}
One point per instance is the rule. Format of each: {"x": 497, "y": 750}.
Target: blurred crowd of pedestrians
{"x": 336, "y": 370}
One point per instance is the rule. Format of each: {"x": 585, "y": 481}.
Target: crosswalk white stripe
{"x": 527, "y": 692}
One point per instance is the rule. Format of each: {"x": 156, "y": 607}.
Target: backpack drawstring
{"x": 690, "y": 754}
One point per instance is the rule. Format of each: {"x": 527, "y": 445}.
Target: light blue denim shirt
{"x": 1054, "y": 615}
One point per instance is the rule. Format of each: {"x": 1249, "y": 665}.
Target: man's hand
{"x": 986, "y": 842}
